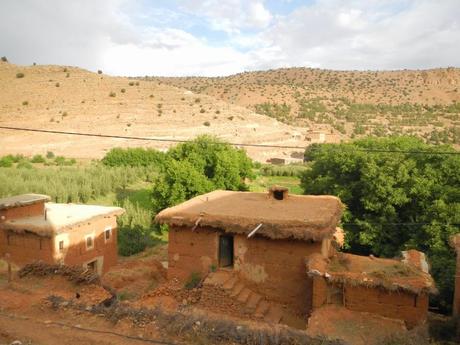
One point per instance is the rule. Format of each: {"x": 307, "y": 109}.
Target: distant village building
{"x": 31, "y": 229}
{"x": 278, "y": 254}
{"x": 316, "y": 137}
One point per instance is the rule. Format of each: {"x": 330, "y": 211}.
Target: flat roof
{"x": 22, "y": 200}
{"x": 59, "y": 218}
{"x": 369, "y": 271}
{"x": 305, "y": 217}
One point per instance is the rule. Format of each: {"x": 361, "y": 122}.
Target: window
{"x": 89, "y": 242}
{"x": 107, "y": 234}
{"x": 61, "y": 246}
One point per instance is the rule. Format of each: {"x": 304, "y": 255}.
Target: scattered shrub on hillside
{"x": 134, "y": 157}
{"x": 99, "y": 71}
{"x": 49, "y": 155}
{"x": 202, "y": 110}
{"x": 38, "y": 159}
{"x": 4, "y": 59}
{"x": 131, "y": 83}
{"x": 197, "y": 100}
{"x": 112, "y": 94}
{"x": 64, "y": 70}
{"x": 206, "y": 123}
{"x": 19, "y": 75}
{"x": 64, "y": 114}
{"x": 67, "y": 75}
{"x": 123, "y": 90}
{"x": 25, "y": 103}
{"x": 57, "y": 84}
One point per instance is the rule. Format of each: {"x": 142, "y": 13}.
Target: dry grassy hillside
{"x": 72, "y": 99}
{"x": 352, "y": 103}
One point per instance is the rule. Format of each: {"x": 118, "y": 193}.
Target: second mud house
{"x": 263, "y": 237}
{"x": 31, "y": 229}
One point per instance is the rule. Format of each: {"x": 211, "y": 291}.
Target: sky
{"x": 223, "y": 37}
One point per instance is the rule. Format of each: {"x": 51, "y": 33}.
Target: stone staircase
{"x": 254, "y": 303}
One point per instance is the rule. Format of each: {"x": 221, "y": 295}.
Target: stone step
{"x": 274, "y": 315}
{"x": 236, "y": 289}
{"x": 262, "y": 309}
{"x": 230, "y": 284}
{"x": 253, "y": 301}
{"x": 244, "y": 295}
{"x": 218, "y": 278}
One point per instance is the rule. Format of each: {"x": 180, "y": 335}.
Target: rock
{"x": 197, "y": 323}
{"x": 184, "y": 301}
{"x": 16, "y": 342}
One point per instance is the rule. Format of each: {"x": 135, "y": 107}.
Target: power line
{"x": 234, "y": 144}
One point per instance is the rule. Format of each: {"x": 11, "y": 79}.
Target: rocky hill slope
{"x": 353, "y": 103}
{"x": 72, "y": 99}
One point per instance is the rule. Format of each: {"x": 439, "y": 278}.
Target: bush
{"x": 50, "y": 155}
{"x": 24, "y": 165}
{"x": 134, "y": 157}
{"x": 193, "y": 281}
{"x": 20, "y": 75}
{"x": 123, "y": 90}
{"x": 57, "y": 84}
{"x": 206, "y": 123}
{"x": 38, "y": 159}
{"x": 112, "y": 94}
{"x": 25, "y": 103}
{"x": 99, "y": 71}
{"x": 6, "y": 162}
{"x": 4, "y": 59}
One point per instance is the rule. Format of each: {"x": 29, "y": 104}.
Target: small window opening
{"x": 61, "y": 246}
{"x": 108, "y": 234}
{"x": 278, "y": 195}
{"x": 89, "y": 242}
{"x": 92, "y": 265}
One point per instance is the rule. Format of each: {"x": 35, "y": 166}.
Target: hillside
{"x": 351, "y": 103}
{"x": 72, "y": 99}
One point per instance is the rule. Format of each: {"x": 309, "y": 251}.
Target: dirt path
{"x": 38, "y": 331}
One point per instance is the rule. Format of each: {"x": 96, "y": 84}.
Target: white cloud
{"x": 125, "y": 38}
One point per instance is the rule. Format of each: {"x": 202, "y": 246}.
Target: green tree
{"x": 395, "y": 201}
{"x": 198, "y": 167}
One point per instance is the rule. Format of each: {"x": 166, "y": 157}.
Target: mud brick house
{"x": 455, "y": 241}
{"x": 262, "y": 238}
{"x": 278, "y": 255}
{"x": 31, "y": 229}
{"x": 396, "y": 289}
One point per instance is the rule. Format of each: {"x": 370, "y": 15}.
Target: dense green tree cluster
{"x": 197, "y": 167}
{"x": 394, "y": 201}
{"x": 133, "y": 157}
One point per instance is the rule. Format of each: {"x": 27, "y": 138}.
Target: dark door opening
{"x": 225, "y": 251}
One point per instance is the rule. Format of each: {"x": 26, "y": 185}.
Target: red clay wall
{"x": 191, "y": 251}
{"x": 276, "y": 268}
{"x": 23, "y": 211}
{"x": 25, "y": 248}
{"x": 456, "y": 305}
{"x": 398, "y": 305}
{"x": 76, "y": 252}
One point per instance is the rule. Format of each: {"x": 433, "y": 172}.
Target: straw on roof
{"x": 22, "y": 200}
{"x": 297, "y": 216}
{"x": 59, "y": 218}
{"x": 370, "y": 271}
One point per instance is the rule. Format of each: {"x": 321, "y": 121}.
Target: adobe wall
{"x": 75, "y": 251}
{"x": 456, "y": 304}
{"x": 405, "y": 306}
{"x": 191, "y": 251}
{"x": 37, "y": 209}
{"x": 25, "y": 248}
{"x": 276, "y": 268}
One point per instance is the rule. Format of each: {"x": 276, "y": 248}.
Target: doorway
{"x": 92, "y": 266}
{"x": 226, "y": 251}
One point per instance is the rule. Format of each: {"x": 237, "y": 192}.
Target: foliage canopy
{"x": 395, "y": 201}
